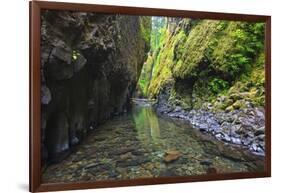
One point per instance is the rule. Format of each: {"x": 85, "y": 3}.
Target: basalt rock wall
{"x": 90, "y": 64}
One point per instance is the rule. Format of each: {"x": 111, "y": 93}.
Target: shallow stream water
{"x": 136, "y": 145}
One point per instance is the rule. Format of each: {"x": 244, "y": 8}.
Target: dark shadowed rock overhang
{"x": 90, "y": 64}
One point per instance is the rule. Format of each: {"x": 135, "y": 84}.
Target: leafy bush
{"x": 217, "y": 85}
{"x": 235, "y": 52}
{"x": 158, "y": 32}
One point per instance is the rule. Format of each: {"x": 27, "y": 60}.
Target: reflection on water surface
{"x": 142, "y": 144}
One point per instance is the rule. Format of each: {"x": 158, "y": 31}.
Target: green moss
{"x": 210, "y": 61}
{"x": 237, "y": 48}
{"x": 191, "y": 49}
{"x": 146, "y": 75}
{"x": 251, "y": 85}
{"x": 248, "y": 89}
{"x": 228, "y": 47}
{"x": 145, "y": 29}
{"x": 157, "y": 83}
{"x": 161, "y": 71}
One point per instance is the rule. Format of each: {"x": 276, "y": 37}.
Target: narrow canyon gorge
{"x": 125, "y": 97}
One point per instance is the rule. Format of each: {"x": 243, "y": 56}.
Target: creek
{"x": 142, "y": 144}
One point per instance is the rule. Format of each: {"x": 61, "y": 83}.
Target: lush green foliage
{"x": 217, "y": 85}
{"x": 157, "y": 32}
{"x": 150, "y": 67}
{"x": 206, "y": 60}
{"x": 146, "y": 75}
{"x": 235, "y": 48}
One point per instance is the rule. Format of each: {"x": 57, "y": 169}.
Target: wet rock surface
{"x": 244, "y": 127}
{"x": 143, "y": 145}
{"x": 171, "y": 155}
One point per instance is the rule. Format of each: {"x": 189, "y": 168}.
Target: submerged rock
{"x": 126, "y": 156}
{"x": 206, "y": 162}
{"x": 143, "y": 156}
{"x": 132, "y": 162}
{"x": 171, "y": 155}
{"x": 211, "y": 170}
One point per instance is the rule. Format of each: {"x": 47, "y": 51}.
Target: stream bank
{"x": 240, "y": 127}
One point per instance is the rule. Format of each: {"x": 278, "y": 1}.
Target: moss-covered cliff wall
{"x": 90, "y": 65}
{"x": 209, "y": 63}
{"x": 158, "y": 31}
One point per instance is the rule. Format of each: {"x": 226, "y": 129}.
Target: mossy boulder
{"x": 238, "y": 104}
{"x": 229, "y": 109}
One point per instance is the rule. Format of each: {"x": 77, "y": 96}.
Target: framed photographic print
{"x": 123, "y": 96}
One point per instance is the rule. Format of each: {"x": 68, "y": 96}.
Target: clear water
{"x": 136, "y": 146}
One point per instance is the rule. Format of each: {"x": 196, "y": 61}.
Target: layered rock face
{"x": 90, "y": 64}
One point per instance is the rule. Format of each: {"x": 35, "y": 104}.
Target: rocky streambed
{"x": 142, "y": 144}
{"x": 243, "y": 127}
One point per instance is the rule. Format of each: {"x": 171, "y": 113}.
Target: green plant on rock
{"x": 217, "y": 85}
{"x": 235, "y": 51}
